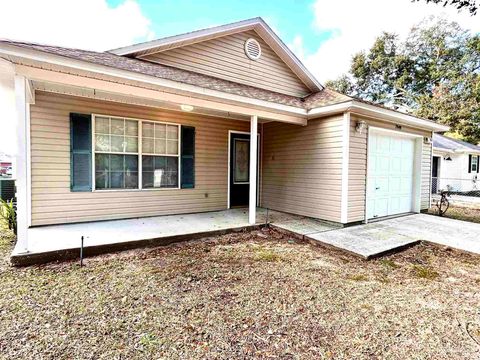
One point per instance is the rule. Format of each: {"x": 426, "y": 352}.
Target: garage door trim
{"x": 417, "y": 159}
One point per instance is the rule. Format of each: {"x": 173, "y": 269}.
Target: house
{"x": 455, "y": 166}
{"x": 208, "y": 120}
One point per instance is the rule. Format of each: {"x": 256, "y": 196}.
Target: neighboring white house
{"x": 456, "y": 165}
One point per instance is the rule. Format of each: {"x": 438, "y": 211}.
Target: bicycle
{"x": 443, "y": 204}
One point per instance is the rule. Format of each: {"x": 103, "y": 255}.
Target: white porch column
{"x": 252, "y": 203}
{"x": 22, "y": 158}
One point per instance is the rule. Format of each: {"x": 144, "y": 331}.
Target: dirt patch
{"x": 246, "y": 295}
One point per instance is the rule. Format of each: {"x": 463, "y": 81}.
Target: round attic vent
{"x": 253, "y": 49}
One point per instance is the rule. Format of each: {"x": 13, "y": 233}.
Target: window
{"x": 116, "y": 153}
{"x": 474, "y": 164}
{"x": 160, "y": 153}
{"x": 119, "y": 154}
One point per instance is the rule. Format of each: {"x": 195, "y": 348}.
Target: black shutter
{"x": 469, "y": 163}
{"x": 188, "y": 157}
{"x": 80, "y": 152}
{"x": 478, "y": 164}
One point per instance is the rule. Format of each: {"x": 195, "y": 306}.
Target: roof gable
{"x": 261, "y": 29}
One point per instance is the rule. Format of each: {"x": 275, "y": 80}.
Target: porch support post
{"x": 22, "y": 158}
{"x": 252, "y": 203}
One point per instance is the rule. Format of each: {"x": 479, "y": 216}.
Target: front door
{"x": 239, "y": 169}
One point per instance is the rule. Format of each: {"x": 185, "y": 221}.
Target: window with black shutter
{"x": 80, "y": 152}
{"x": 188, "y": 157}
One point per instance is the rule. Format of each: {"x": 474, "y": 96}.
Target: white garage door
{"x": 390, "y": 174}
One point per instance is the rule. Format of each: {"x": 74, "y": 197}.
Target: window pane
{"x": 147, "y": 163}
{"x": 131, "y": 180}
{"x": 164, "y": 174}
{"x": 160, "y": 147}
{"x": 102, "y": 142}
{"x": 131, "y": 163}
{"x": 147, "y": 145}
{"x": 117, "y": 126}
{"x": 116, "y": 180}
{"x": 101, "y": 180}
{"x": 116, "y": 162}
{"x": 172, "y": 132}
{"x": 132, "y": 144}
{"x": 147, "y": 179}
{"x": 172, "y": 164}
{"x": 131, "y": 127}
{"x": 160, "y": 131}
{"x": 102, "y": 125}
{"x": 172, "y": 147}
{"x": 117, "y": 143}
{"x": 101, "y": 162}
{"x": 147, "y": 129}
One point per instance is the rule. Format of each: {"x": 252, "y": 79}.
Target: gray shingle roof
{"x": 167, "y": 72}
{"x": 447, "y": 143}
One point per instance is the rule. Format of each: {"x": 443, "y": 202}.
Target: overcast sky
{"x": 324, "y": 34}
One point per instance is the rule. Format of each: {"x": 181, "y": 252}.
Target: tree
{"x": 434, "y": 73}
{"x": 471, "y": 5}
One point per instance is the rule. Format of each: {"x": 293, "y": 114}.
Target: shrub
{"x": 8, "y": 214}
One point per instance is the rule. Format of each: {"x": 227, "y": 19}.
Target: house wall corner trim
{"x": 345, "y": 165}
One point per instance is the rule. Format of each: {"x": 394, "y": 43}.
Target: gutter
{"x": 353, "y": 106}
{"x": 361, "y": 108}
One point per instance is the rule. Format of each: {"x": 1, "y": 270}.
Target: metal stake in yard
{"x": 81, "y": 251}
{"x": 266, "y": 219}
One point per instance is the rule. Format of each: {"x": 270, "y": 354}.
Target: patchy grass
{"x": 358, "y": 277}
{"x": 424, "y": 272}
{"x": 388, "y": 263}
{"x": 267, "y": 255}
{"x": 460, "y": 213}
{"x": 242, "y": 296}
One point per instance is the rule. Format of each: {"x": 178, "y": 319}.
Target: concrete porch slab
{"x": 55, "y": 242}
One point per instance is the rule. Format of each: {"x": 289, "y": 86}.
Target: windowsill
{"x": 135, "y": 190}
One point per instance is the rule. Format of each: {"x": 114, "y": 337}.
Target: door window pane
{"x": 241, "y": 161}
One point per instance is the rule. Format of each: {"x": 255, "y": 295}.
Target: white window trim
{"x": 139, "y": 154}
{"x": 474, "y": 158}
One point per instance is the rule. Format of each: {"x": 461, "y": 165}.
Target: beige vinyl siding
{"x": 54, "y": 203}
{"x": 302, "y": 168}
{"x": 225, "y": 58}
{"x": 358, "y": 166}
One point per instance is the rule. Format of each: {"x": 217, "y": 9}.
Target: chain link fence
{"x": 460, "y": 187}
{"x": 463, "y": 192}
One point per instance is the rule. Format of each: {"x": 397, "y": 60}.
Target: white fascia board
{"x": 189, "y": 37}
{"x": 360, "y": 108}
{"x": 35, "y": 55}
{"x": 290, "y": 55}
{"x": 443, "y": 151}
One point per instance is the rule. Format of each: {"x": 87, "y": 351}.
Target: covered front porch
{"x": 62, "y": 242}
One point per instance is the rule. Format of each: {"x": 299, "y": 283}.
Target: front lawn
{"x": 248, "y": 295}
{"x": 460, "y": 213}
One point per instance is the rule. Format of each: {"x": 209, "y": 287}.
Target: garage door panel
{"x": 390, "y": 175}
